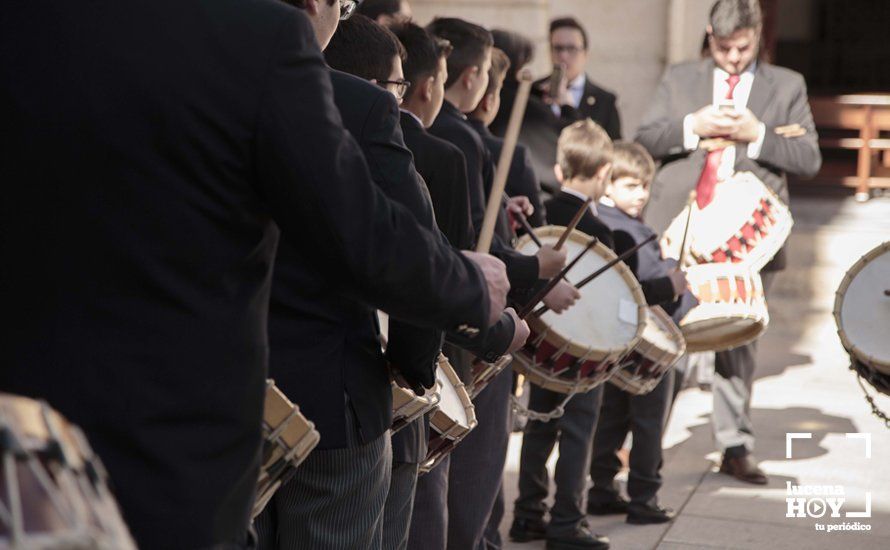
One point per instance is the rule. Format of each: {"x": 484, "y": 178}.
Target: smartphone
{"x": 555, "y": 81}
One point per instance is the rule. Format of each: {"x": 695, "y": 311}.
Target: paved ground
{"x": 803, "y": 385}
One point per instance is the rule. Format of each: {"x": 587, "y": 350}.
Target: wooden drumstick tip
{"x": 525, "y": 75}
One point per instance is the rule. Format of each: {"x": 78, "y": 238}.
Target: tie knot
{"x": 733, "y": 80}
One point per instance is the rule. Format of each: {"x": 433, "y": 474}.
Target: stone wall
{"x": 631, "y": 40}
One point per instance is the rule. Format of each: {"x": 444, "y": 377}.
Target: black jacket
{"x": 648, "y": 265}
{"x": 541, "y": 128}
{"x": 452, "y": 126}
{"x": 137, "y": 260}
{"x": 444, "y": 170}
{"x": 521, "y": 179}
{"x": 562, "y": 207}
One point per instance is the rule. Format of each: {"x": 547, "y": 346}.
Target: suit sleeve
{"x": 799, "y": 155}
{"x": 316, "y": 183}
{"x": 660, "y": 132}
{"x": 495, "y": 344}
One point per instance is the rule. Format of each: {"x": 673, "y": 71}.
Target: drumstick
{"x": 503, "y": 169}
{"x": 544, "y": 309}
{"x": 554, "y": 281}
{"x": 681, "y": 259}
{"x": 574, "y": 223}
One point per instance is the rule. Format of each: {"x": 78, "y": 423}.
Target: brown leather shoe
{"x": 744, "y": 469}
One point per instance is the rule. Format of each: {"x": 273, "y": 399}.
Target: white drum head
{"x": 862, "y": 309}
{"x": 607, "y": 317}
{"x": 658, "y": 335}
{"x": 714, "y": 225}
{"x": 450, "y": 402}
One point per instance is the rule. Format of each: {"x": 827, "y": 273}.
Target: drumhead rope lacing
{"x": 875, "y": 410}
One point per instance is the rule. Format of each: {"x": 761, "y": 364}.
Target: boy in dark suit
{"x": 584, "y": 157}
{"x": 644, "y": 415}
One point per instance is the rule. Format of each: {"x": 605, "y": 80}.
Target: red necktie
{"x": 704, "y": 189}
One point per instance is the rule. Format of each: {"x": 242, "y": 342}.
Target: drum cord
{"x": 875, "y": 410}
{"x": 522, "y": 410}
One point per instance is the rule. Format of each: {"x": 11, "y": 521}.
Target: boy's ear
{"x": 605, "y": 174}
{"x": 312, "y": 7}
{"x": 468, "y": 76}
{"x": 557, "y": 171}
{"x": 426, "y": 88}
{"x": 487, "y": 101}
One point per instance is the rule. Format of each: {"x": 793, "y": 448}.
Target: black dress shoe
{"x": 644, "y": 514}
{"x": 617, "y": 506}
{"x": 744, "y": 469}
{"x": 581, "y": 539}
{"x": 526, "y": 530}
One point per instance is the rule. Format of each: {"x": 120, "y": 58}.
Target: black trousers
{"x": 574, "y": 433}
{"x": 645, "y": 417}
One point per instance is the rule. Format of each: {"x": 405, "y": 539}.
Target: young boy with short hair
{"x": 584, "y": 161}
{"x": 644, "y": 416}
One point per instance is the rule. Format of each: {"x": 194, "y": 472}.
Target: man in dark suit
{"x": 576, "y": 98}
{"x": 771, "y": 129}
{"x": 353, "y": 464}
{"x": 137, "y": 264}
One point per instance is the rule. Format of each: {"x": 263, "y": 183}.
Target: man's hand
{"x": 748, "y": 129}
{"x": 520, "y": 333}
{"x": 520, "y": 206}
{"x": 709, "y": 121}
{"x": 550, "y": 262}
{"x": 562, "y": 297}
{"x": 678, "y": 281}
{"x": 495, "y": 273}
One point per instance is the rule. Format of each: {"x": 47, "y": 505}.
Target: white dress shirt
{"x": 740, "y": 96}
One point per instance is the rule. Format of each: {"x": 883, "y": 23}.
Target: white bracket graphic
{"x": 789, "y": 437}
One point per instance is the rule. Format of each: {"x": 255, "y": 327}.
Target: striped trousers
{"x": 334, "y": 501}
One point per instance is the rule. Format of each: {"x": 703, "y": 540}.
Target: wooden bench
{"x": 867, "y": 115}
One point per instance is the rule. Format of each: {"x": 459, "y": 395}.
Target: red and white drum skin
{"x": 288, "y": 438}
{"x": 659, "y": 349}
{"x": 580, "y": 349}
{"x": 862, "y": 313}
{"x": 53, "y": 489}
{"x": 453, "y": 420}
{"x": 746, "y": 223}
{"x": 731, "y": 311}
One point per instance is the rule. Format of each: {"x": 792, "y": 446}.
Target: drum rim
{"x": 851, "y": 274}
{"x": 463, "y": 396}
{"x": 666, "y": 322}
{"x": 626, "y": 274}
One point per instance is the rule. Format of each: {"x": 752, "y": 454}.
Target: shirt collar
{"x": 578, "y": 82}
{"x": 412, "y": 115}
{"x": 452, "y": 108}
{"x": 581, "y": 196}
{"x": 723, "y": 75}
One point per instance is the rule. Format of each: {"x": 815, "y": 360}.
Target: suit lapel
{"x": 761, "y": 91}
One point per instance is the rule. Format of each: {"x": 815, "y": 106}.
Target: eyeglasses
{"x": 347, "y": 8}
{"x": 401, "y": 86}
{"x": 571, "y": 50}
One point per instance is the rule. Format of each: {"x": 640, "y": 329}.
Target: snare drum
{"x": 862, "y": 313}
{"x": 484, "y": 372}
{"x": 288, "y": 439}
{"x": 579, "y": 349}
{"x": 53, "y": 489}
{"x": 659, "y": 349}
{"x": 745, "y": 223}
{"x": 453, "y": 420}
{"x": 731, "y": 310}
{"x": 407, "y": 406}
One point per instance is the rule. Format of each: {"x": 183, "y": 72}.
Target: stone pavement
{"x": 803, "y": 385}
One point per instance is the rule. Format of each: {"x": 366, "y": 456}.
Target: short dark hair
{"x": 631, "y": 160}
{"x": 730, "y": 16}
{"x": 500, "y": 64}
{"x": 423, "y": 53}
{"x": 519, "y": 49}
{"x": 301, "y": 4}
{"x": 468, "y": 40}
{"x": 568, "y": 23}
{"x": 373, "y": 9}
{"x": 363, "y": 48}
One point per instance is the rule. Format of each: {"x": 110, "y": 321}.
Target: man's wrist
{"x": 690, "y": 138}
{"x": 756, "y": 146}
